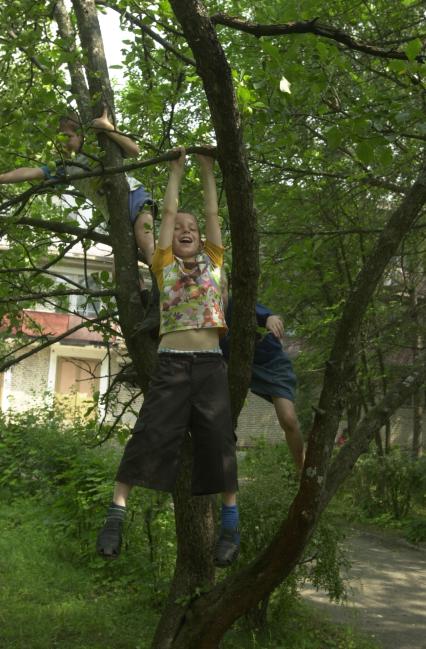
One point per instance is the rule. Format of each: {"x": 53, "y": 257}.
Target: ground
{"x": 387, "y": 590}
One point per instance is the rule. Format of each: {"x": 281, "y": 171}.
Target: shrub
{"x": 268, "y": 487}
{"x": 44, "y": 457}
{"x": 387, "y": 484}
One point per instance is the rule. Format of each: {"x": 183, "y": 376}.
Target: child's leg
{"x": 109, "y": 539}
{"x": 229, "y": 499}
{"x": 121, "y": 493}
{"x": 228, "y": 543}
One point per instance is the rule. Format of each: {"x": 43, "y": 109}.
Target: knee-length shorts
{"x": 188, "y": 392}
{"x": 274, "y": 378}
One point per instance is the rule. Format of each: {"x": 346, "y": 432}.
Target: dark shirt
{"x": 266, "y": 347}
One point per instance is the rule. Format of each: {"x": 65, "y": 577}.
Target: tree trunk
{"x": 206, "y": 618}
{"x": 194, "y": 570}
{"x": 417, "y": 345}
{"x": 131, "y": 313}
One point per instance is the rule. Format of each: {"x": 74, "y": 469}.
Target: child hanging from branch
{"x": 189, "y": 391}
{"x": 141, "y": 205}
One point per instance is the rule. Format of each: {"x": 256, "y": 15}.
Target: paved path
{"x": 387, "y": 591}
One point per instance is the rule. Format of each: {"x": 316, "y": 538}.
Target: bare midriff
{"x": 191, "y": 340}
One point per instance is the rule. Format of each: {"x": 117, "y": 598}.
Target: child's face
{"x": 72, "y": 141}
{"x": 186, "y": 236}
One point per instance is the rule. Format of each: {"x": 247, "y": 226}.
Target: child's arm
{"x": 21, "y": 174}
{"x": 171, "y": 201}
{"x": 213, "y": 233}
{"x": 125, "y": 143}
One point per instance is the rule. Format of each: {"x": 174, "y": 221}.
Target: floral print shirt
{"x": 190, "y": 298}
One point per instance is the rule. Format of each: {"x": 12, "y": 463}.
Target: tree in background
{"x": 319, "y": 113}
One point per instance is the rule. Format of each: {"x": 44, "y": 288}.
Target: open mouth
{"x": 185, "y": 240}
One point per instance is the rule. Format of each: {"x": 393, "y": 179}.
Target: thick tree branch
{"x": 78, "y": 81}
{"x": 139, "y": 344}
{"x": 310, "y": 27}
{"x": 46, "y": 186}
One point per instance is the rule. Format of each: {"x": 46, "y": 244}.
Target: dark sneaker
{"x": 227, "y": 548}
{"x": 109, "y": 540}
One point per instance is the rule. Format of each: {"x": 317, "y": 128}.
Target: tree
{"x": 349, "y": 136}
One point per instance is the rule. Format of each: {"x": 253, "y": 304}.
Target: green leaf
{"x": 413, "y": 48}
{"x": 384, "y": 155}
{"x": 272, "y": 51}
{"x": 398, "y": 66}
{"x": 365, "y": 152}
{"x": 334, "y": 137}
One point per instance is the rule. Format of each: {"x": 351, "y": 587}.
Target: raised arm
{"x": 21, "y": 174}
{"x": 125, "y": 143}
{"x": 213, "y": 233}
{"x": 171, "y": 201}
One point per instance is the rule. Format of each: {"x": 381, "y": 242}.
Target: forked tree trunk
{"x": 199, "y": 621}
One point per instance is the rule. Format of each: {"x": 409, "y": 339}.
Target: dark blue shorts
{"x": 274, "y": 378}
{"x": 138, "y": 199}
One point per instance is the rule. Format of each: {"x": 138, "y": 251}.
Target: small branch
{"x": 60, "y": 228}
{"x": 148, "y": 30}
{"x": 330, "y": 233}
{"x": 32, "y": 297}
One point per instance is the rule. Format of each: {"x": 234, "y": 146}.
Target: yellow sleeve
{"x": 215, "y": 253}
{"x": 161, "y": 259}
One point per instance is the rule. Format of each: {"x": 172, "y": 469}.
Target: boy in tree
{"x": 141, "y": 204}
{"x": 272, "y": 377}
{"x": 189, "y": 391}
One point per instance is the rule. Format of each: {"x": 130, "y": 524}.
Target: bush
{"x": 268, "y": 487}
{"x": 43, "y": 457}
{"x": 387, "y": 485}
{"x": 415, "y": 529}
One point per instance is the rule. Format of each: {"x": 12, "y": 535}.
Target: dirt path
{"x": 387, "y": 591}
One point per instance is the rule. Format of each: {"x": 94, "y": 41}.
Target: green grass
{"x": 299, "y": 627}
{"x": 48, "y": 601}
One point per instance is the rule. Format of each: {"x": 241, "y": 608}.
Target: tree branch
{"x": 58, "y": 227}
{"x": 149, "y": 31}
{"x": 33, "y": 297}
{"x": 310, "y": 27}
{"x": 46, "y": 186}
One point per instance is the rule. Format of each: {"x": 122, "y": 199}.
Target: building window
{"x": 77, "y": 381}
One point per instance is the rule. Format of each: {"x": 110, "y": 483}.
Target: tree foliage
{"x": 317, "y": 112}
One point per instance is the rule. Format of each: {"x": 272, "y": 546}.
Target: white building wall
{"x": 28, "y": 382}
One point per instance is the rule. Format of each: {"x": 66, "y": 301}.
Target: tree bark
{"x": 216, "y": 74}
{"x": 213, "y": 614}
{"x": 194, "y": 572}
{"x": 79, "y": 87}
{"x": 206, "y": 618}
{"x": 131, "y": 313}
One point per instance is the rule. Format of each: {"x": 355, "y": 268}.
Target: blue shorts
{"x": 138, "y": 199}
{"x": 274, "y": 378}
